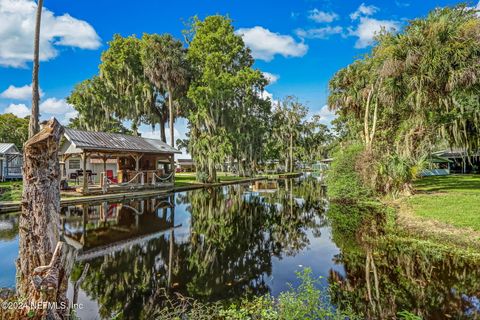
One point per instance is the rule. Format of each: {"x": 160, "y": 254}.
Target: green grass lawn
{"x": 282, "y": 174}
{"x": 188, "y": 178}
{"x": 185, "y": 179}
{"x": 11, "y": 190}
{"x": 453, "y": 199}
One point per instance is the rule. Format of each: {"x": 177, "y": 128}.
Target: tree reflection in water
{"x": 388, "y": 274}
{"x": 223, "y": 243}
{"x": 234, "y": 233}
{"x": 8, "y": 227}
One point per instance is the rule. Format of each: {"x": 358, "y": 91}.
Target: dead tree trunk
{"x": 33, "y": 124}
{"x": 76, "y": 286}
{"x": 44, "y": 263}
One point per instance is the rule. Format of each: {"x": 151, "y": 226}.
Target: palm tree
{"x": 165, "y": 66}
{"x": 33, "y": 126}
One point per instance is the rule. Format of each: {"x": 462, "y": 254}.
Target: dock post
{"x": 85, "y": 178}
{"x": 172, "y": 167}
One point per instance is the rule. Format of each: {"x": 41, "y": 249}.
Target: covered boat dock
{"x": 101, "y": 162}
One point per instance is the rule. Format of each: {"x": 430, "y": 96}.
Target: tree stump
{"x": 44, "y": 262}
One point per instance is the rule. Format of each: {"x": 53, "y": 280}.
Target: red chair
{"x": 110, "y": 176}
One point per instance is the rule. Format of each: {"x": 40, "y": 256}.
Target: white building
{"x": 10, "y": 162}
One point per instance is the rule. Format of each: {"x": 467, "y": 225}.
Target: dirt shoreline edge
{"x": 430, "y": 229}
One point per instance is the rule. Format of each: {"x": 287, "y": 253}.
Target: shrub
{"x": 305, "y": 302}
{"x": 202, "y": 176}
{"x": 343, "y": 180}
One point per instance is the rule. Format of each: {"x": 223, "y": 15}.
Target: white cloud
{"x": 56, "y": 106}
{"x": 369, "y": 27}
{"x": 266, "y": 44}
{"x": 70, "y": 115}
{"x": 48, "y": 108}
{"x": 180, "y": 131}
{"x": 155, "y": 134}
{"x": 326, "y": 115}
{"x": 17, "y": 30}
{"x": 272, "y": 78}
{"x": 363, "y": 10}
{"x": 477, "y": 7}
{"x": 266, "y": 95}
{"x": 322, "y": 16}
{"x": 319, "y": 33}
{"x": 20, "y": 110}
{"x": 19, "y": 93}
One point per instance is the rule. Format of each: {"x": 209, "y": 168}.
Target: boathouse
{"x": 101, "y": 161}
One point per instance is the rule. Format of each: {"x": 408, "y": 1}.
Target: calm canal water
{"x": 238, "y": 240}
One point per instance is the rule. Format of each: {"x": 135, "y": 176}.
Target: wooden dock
{"x": 15, "y": 206}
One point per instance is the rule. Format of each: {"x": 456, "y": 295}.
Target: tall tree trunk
{"x": 374, "y": 125}
{"x": 212, "y": 172}
{"x": 134, "y": 126}
{"x": 163, "y": 136}
{"x": 170, "y": 111}
{"x": 291, "y": 153}
{"x": 33, "y": 126}
{"x": 365, "y": 119}
{"x": 160, "y": 112}
{"x": 44, "y": 263}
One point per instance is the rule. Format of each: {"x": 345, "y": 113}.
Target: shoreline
{"x": 433, "y": 230}
{"x": 15, "y": 206}
{"x": 442, "y": 209}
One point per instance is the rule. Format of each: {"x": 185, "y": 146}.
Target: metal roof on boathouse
{"x": 106, "y": 141}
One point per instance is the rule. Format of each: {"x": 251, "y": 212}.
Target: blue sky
{"x": 302, "y": 42}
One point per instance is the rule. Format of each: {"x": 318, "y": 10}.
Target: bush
{"x": 305, "y": 302}
{"x": 202, "y": 176}
{"x": 396, "y": 173}
{"x": 343, "y": 180}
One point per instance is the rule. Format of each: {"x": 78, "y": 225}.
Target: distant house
{"x": 185, "y": 165}
{"x": 322, "y": 165}
{"x": 10, "y": 162}
{"x": 437, "y": 166}
{"x": 458, "y": 160}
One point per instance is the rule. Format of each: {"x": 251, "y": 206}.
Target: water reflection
{"x": 388, "y": 274}
{"x": 225, "y": 243}
{"x": 210, "y": 244}
{"x": 8, "y": 249}
{"x": 97, "y": 226}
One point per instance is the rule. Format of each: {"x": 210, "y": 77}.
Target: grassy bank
{"x": 444, "y": 209}
{"x": 189, "y": 178}
{"x": 451, "y": 199}
{"x": 11, "y": 190}
{"x": 285, "y": 175}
